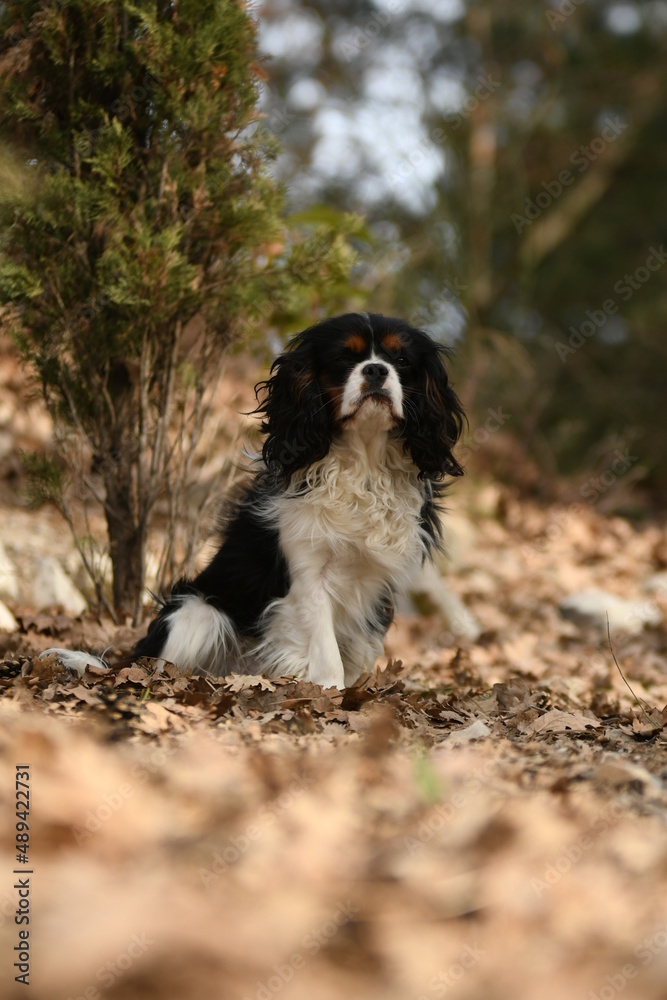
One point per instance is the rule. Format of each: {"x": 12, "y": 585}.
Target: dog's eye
{"x": 401, "y": 361}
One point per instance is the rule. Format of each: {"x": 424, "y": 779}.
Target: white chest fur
{"x": 351, "y": 534}
{"x": 358, "y": 508}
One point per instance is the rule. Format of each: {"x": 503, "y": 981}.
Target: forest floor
{"x": 476, "y": 820}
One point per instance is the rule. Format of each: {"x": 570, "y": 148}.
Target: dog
{"x": 339, "y": 514}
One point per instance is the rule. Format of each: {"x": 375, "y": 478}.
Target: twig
{"x": 638, "y": 700}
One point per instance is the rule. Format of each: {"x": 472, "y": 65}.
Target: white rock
{"x": 101, "y": 560}
{"x": 51, "y": 585}
{"x": 591, "y": 607}
{"x": 9, "y": 585}
{"x": 7, "y": 621}
{"x": 656, "y": 584}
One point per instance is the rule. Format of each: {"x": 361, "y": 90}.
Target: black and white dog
{"x": 360, "y": 421}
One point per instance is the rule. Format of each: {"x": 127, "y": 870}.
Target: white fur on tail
{"x": 200, "y": 637}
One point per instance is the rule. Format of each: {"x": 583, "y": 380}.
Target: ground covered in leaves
{"x": 476, "y": 820}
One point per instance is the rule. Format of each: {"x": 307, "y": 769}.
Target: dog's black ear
{"x": 297, "y": 416}
{"x": 434, "y": 420}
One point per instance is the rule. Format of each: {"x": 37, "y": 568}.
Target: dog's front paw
{"x": 327, "y": 678}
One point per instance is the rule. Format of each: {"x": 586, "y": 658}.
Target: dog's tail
{"x": 190, "y": 632}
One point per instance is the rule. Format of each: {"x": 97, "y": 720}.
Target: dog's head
{"x": 362, "y": 371}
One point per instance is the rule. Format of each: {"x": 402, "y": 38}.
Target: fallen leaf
{"x": 134, "y": 675}
{"x": 557, "y": 721}
{"x": 243, "y": 682}
{"x": 477, "y": 730}
{"x": 82, "y": 693}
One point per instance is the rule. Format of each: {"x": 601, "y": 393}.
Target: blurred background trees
{"x": 511, "y": 161}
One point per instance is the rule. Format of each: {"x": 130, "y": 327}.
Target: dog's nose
{"x": 375, "y": 374}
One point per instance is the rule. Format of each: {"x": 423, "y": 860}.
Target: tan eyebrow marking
{"x": 392, "y": 342}
{"x": 355, "y": 342}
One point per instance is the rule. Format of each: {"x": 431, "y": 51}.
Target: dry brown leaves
{"x": 147, "y": 698}
{"x": 483, "y": 822}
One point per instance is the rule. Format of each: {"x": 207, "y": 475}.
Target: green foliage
{"x": 46, "y": 480}
{"x": 139, "y": 200}
{"x": 427, "y": 780}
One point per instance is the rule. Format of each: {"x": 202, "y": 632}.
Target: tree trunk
{"x": 127, "y": 542}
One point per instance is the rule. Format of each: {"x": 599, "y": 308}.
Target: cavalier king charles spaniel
{"x": 360, "y": 422}
{"x": 341, "y": 512}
